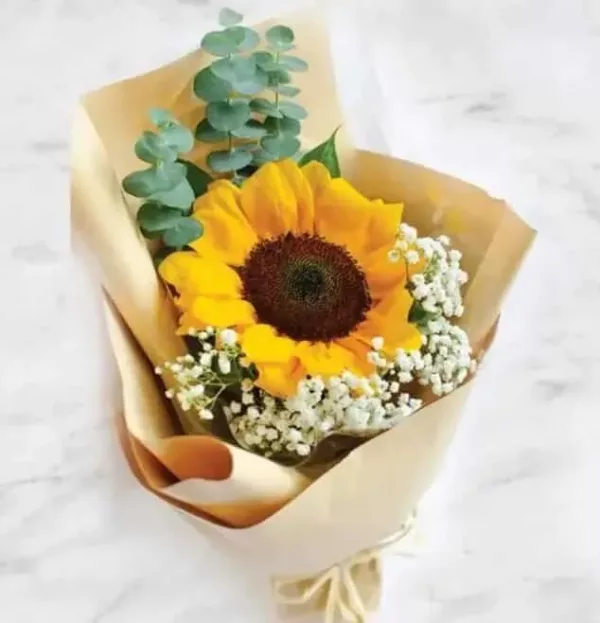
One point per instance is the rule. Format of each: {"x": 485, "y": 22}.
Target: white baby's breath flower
{"x": 228, "y": 337}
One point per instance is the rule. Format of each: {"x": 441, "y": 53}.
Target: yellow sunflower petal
{"x": 382, "y": 274}
{"x": 273, "y": 198}
{"x": 279, "y": 380}
{"x": 192, "y": 274}
{"x": 359, "y": 349}
{"x": 261, "y": 344}
{"x": 389, "y": 320}
{"x": 227, "y": 236}
{"x": 317, "y": 176}
{"x": 343, "y": 216}
{"x": 385, "y": 220}
{"x": 222, "y": 312}
{"x": 319, "y": 358}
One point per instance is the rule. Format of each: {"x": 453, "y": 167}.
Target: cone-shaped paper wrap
{"x": 293, "y": 527}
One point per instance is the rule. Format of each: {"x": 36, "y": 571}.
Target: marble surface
{"x": 503, "y": 94}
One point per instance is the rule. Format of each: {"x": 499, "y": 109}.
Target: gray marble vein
{"x": 503, "y": 94}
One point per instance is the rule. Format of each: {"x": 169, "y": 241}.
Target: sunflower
{"x": 298, "y": 263}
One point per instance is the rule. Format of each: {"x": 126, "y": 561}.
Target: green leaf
{"x": 278, "y": 76}
{"x": 254, "y": 84}
{"x": 227, "y": 161}
{"x": 280, "y": 36}
{"x": 262, "y": 156}
{"x": 246, "y": 38}
{"x": 160, "y": 255}
{"x": 263, "y": 106}
{"x": 241, "y": 73}
{"x": 280, "y": 146}
{"x": 197, "y": 177}
{"x": 235, "y": 68}
{"x": 185, "y": 231}
{"x": 293, "y": 63}
{"x": 286, "y": 90}
{"x": 326, "y": 154}
{"x": 181, "y": 197}
{"x": 264, "y": 59}
{"x": 229, "y": 17}
{"x": 153, "y": 217}
{"x": 210, "y": 88}
{"x": 178, "y": 137}
{"x": 207, "y": 134}
{"x": 228, "y": 116}
{"x": 151, "y": 147}
{"x": 221, "y": 42}
{"x": 285, "y": 125}
{"x": 161, "y": 117}
{"x": 252, "y": 130}
{"x": 293, "y": 111}
{"x": 154, "y": 180}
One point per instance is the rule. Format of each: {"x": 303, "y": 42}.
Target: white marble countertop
{"x": 503, "y": 94}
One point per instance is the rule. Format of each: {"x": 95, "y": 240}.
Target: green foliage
{"x": 263, "y": 106}
{"x": 169, "y": 185}
{"x": 229, "y": 17}
{"x": 154, "y": 179}
{"x": 326, "y": 154}
{"x": 251, "y": 128}
{"x": 293, "y": 110}
{"x": 280, "y": 37}
{"x": 228, "y": 116}
{"x": 280, "y": 145}
{"x": 293, "y": 63}
{"x": 207, "y": 134}
{"x": 210, "y": 88}
{"x": 186, "y": 230}
{"x": 197, "y": 177}
{"x": 227, "y": 161}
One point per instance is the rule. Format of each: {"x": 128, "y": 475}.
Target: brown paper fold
{"x": 290, "y": 526}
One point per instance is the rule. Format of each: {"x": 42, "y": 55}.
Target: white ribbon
{"x": 343, "y": 595}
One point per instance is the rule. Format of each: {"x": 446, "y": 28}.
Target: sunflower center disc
{"x": 305, "y": 287}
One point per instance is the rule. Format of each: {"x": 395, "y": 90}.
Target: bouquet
{"x": 294, "y": 321}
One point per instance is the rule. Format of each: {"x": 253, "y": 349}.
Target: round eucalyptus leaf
{"x": 198, "y": 178}
{"x": 253, "y": 84}
{"x": 229, "y": 17}
{"x": 246, "y": 39}
{"x": 154, "y": 180}
{"x": 227, "y": 161}
{"x": 152, "y": 148}
{"x": 207, "y": 134}
{"x": 161, "y": 117}
{"x": 262, "y": 156}
{"x": 279, "y": 76}
{"x": 153, "y": 217}
{"x": 178, "y": 137}
{"x": 286, "y": 125}
{"x": 293, "y": 111}
{"x": 210, "y": 88}
{"x": 293, "y": 63}
{"x": 252, "y": 130}
{"x": 281, "y": 145}
{"x": 235, "y": 68}
{"x": 263, "y": 106}
{"x": 180, "y": 197}
{"x": 228, "y": 116}
{"x": 279, "y": 36}
{"x": 263, "y": 59}
{"x": 220, "y": 42}
{"x": 286, "y": 90}
{"x": 185, "y": 231}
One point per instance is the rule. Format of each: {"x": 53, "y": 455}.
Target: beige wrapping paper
{"x": 290, "y": 526}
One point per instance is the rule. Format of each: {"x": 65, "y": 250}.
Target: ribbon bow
{"x": 349, "y": 589}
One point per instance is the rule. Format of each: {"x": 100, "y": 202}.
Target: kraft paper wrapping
{"x": 290, "y": 524}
